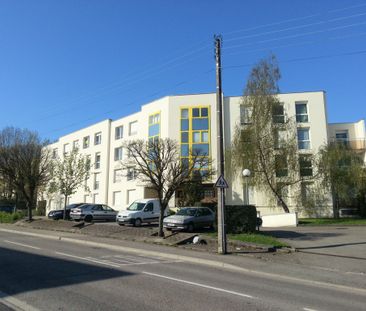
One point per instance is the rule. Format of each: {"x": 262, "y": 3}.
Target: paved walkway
{"x": 333, "y": 247}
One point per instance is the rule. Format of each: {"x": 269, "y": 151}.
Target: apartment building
{"x": 191, "y": 121}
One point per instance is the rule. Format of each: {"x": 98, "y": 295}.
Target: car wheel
{"x": 88, "y": 218}
{"x": 137, "y": 222}
{"x": 190, "y": 227}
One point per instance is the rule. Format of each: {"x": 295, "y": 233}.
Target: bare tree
{"x": 265, "y": 141}
{"x": 25, "y": 162}
{"x": 158, "y": 164}
{"x": 69, "y": 174}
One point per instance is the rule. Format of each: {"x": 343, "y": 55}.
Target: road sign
{"x": 221, "y": 182}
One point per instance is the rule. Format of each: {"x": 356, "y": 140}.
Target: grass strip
{"x": 254, "y": 238}
{"x": 332, "y": 221}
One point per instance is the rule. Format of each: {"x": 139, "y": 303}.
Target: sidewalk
{"x": 281, "y": 266}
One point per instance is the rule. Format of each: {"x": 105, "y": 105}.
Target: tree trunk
{"x": 161, "y": 217}
{"x": 65, "y": 202}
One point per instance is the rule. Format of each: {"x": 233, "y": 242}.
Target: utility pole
{"x": 221, "y": 234}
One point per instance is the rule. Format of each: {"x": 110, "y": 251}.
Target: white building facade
{"x": 191, "y": 121}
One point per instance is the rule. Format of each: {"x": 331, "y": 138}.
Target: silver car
{"x": 91, "y": 212}
{"x": 190, "y": 218}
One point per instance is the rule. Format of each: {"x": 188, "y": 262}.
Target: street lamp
{"x": 246, "y": 174}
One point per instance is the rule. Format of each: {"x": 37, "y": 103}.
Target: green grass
{"x": 255, "y": 238}
{"x": 10, "y": 217}
{"x": 332, "y": 221}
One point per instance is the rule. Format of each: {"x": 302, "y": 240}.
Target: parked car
{"x": 91, "y": 212}
{"x": 7, "y": 208}
{"x": 59, "y": 213}
{"x": 140, "y": 211}
{"x": 190, "y": 218}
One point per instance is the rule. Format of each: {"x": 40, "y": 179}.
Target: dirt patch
{"x": 143, "y": 233}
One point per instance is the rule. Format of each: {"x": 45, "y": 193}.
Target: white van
{"x": 141, "y": 211}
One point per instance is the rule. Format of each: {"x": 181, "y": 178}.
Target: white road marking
{"x": 199, "y": 285}
{"x": 90, "y": 259}
{"x": 15, "y": 304}
{"x": 20, "y": 244}
{"x": 308, "y": 309}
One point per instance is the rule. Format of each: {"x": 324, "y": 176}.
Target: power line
{"x": 292, "y": 28}
{"x": 298, "y": 35}
{"x": 292, "y": 19}
{"x": 297, "y": 44}
{"x": 300, "y": 59}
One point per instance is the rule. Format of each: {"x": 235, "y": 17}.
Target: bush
{"x": 240, "y": 218}
{"x": 10, "y": 217}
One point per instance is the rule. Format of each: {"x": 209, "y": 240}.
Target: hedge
{"x": 240, "y": 218}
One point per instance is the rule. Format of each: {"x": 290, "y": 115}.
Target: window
{"x": 54, "y": 153}
{"x": 245, "y": 114}
{"x": 118, "y": 132}
{"x": 66, "y": 148}
{"x": 133, "y": 128}
{"x": 86, "y": 142}
{"x": 97, "y": 160}
{"x": 75, "y": 145}
{"x": 303, "y": 138}
{"x": 117, "y": 198}
{"x": 154, "y": 127}
{"x": 278, "y": 113}
{"x": 96, "y": 181}
{"x": 86, "y": 188}
{"x": 86, "y": 198}
{"x": 280, "y": 139}
{"x": 281, "y": 166}
{"x": 301, "y": 112}
{"x": 149, "y": 207}
{"x": 118, "y": 154}
{"x": 98, "y": 138}
{"x": 342, "y": 137}
{"x": 95, "y": 197}
{"x": 131, "y": 174}
{"x": 117, "y": 175}
{"x": 306, "y": 168}
{"x": 195, "y": 135}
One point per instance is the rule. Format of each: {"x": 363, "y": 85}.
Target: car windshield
{"x": 135, "y": 206}
{"x": 187, "y": 212}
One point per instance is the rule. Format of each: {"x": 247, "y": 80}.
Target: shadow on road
{"x": 308, "y": 236}
{"x": 23, "y": 272}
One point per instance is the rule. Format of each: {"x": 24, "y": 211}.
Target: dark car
{"x": 7, "y": 208}
{"x": 59, "y": 214}
{"x": 190, "y": 218}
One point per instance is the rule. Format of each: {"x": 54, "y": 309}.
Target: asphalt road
{"x": 43, "y": 274}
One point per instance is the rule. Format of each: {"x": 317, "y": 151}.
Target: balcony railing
{"x": 356, "y": 144}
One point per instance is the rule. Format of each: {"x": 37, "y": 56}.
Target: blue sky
{"x": 68, "y": 64}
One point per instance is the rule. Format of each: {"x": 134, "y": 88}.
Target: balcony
{"x": 355, "y": 144}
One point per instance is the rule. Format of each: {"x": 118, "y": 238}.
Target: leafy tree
{"x": 158, "y": 165}
{"x": 265, "y": 141}
{"x": 25, "y": 163}
{"x": 69, "y": 174}
{"x": 342, "y": 171}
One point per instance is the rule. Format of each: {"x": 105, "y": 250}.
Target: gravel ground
{"x": 146, "y": 233}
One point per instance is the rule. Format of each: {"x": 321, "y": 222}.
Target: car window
{"x": 107, "y": 208}
{"x": 135, "y": 206}
{"x": 187, "y": 211}
{"x": 149, "y": 207}
{"x": 199, "y": 213}
{"x": 97, "y": 208}
{"x": 206, "y": 212}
